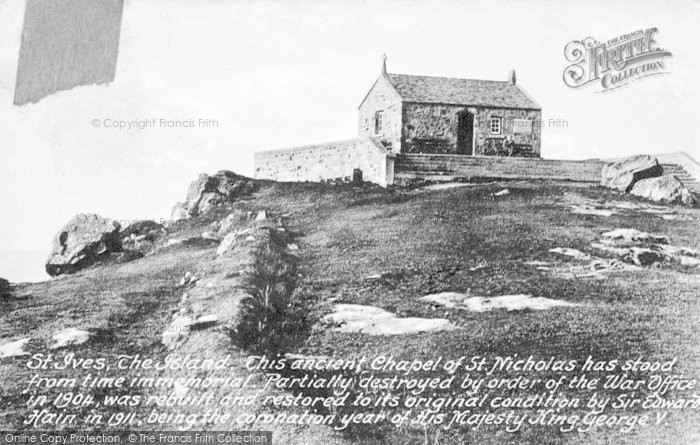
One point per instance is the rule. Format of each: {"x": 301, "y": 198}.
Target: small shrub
{"x": 275, "y": 316}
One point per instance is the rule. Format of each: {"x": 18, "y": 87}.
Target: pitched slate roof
{"x": 445, "y": 90}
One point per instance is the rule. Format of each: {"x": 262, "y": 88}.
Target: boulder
{"x": 5, "y": 288}
{"x": 85, "y": 240}
{"x": 624, "y": 174}
{"x": 207, "y": 192}
{"x": 667, "y": 189}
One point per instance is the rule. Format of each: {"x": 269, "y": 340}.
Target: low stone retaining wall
{"x": 499, "y": 167}
{"x": 328, "y": 161}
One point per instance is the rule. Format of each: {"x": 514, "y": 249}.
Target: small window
{"x": 495, "y": 125}
{"x": 378, "y": 122}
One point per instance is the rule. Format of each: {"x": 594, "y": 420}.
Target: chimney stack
{"x": 511, "y": 77}
{"x": 384, "y": 63}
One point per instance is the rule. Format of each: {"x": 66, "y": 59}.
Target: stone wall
{"x": 382, "y": 97}
{"x": 432, "y": 128}
{"x": 329, "y": 161}
{"x": 486, "y": 144}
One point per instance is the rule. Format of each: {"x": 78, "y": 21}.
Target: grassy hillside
{"x": 388, "y": 248}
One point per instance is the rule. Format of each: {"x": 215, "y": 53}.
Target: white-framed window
{"x": 496, "y": 125}
{"x": 378, "y": 122}
{"x": 522, "y": 126}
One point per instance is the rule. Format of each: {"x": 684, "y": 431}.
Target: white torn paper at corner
{"x": 66, "y": 44}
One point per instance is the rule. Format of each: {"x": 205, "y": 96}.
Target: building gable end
{"x": 384, "y": 78}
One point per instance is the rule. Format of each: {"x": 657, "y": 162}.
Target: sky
{"x": 277, "y": 74}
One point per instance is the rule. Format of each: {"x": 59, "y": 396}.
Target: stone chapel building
{"x": 421, "y": 114}
{"x": 410, "y": 119}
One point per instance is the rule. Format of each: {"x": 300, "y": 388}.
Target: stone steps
{"x": 430, "y": 165}
{"x": 422, "y": 165}
{"x": 443, "y": 177}
{"x": 680, "y": 173}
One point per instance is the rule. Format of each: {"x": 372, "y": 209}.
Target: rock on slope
{"x": 642, "y": 176}
{"x": 622, "y": 175}
{"x": 207, "y": 192}
{"x": 668, "y": 189}
{"x": 5, "y": 288}
{"x": 85, "y": 240}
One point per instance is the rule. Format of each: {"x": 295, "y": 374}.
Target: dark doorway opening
{"x": 465, "y": 133}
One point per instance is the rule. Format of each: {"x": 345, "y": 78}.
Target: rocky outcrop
{"x": 644, "y": 249}
{"x": 455, "y": 300}
{"x": 5, "y": 288}
{"x": 226, "y": 244}
{"x": 642, "y": 176}
{"x": 624, "y": 174}
{"x": 85, "y": 240}
{"x": 234, "y": 219}
{"x": 14, "y": 349}
{"x": 141, "y": 234}
{"x": 125, "y": 256}
{"x": 249, "y": 294}
{"x": 633, "y": 236}
{"x": 207, "y": 192}
{"x": 574, "y": 253}
{"x": 142, "y": 228}
{"x": 666, "y": 189}
{"x": 643, "y": 256}
{"x": 371, "y": 320}
{"x": 69, "y": 337}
